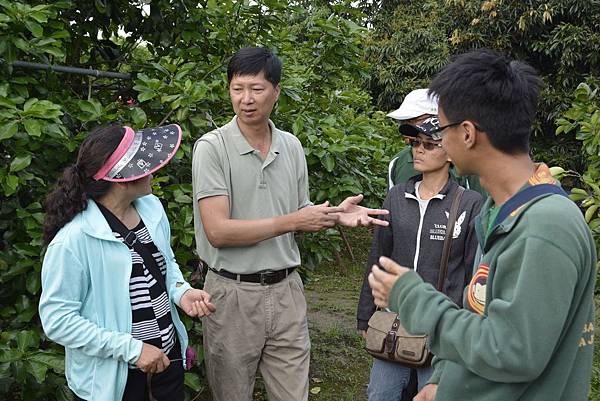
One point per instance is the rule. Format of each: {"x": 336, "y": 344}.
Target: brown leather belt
{"x": 264, "y": 277}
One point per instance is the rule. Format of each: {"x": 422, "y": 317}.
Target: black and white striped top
{"x": 150, "y": 307}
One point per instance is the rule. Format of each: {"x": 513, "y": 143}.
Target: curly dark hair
{"x": 77, "y": 185}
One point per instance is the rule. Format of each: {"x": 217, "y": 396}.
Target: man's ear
{"x": 469, "y": 134}
{"x": 277, "y": 91}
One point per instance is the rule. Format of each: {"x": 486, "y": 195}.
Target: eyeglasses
{"x": 439, "y": 132}
{"x": 427, "y": 145}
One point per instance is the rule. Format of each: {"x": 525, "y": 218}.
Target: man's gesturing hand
{"x": 316, "y": 217}
{"x": 381, "y": 281}
{"x": 353, "y": 215}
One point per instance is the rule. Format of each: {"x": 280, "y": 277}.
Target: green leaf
{"x": 35, "y": 28}
{"x": 33, "y": 283}
{"x": 29, "y": 104}
{"x": 9, "y": 355}
{"x": 8, "y": 130}
{"x": 139, "y": 116}
{"x": 39, "y": 16}
{"x": 45, "y": 41}
{"x": 37, "y": 370}
{"x": 192, "y": 380}
{"x": 91, "y": 106}
{"x": 21, "y": 44}
{"x": 54, "y": 360}
{"x": 147, "y": 95}
{"x": 33, "y": 127}
{"x": 4, "y": 370}
{"x": 183, "y": 198}
{"x": 27, "y": 339}
{"x": 55, "y": 51}
{"x": 12, "y": 182}
{"x": 328, "y": 162}
{"x": 19, "y": 163}
{"x": 7, "y": 102}
{"x": 62, "y": 34}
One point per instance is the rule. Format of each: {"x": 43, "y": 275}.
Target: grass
{"x": 340, "y": 366}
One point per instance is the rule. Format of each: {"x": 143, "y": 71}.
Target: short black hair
{"x": 253, "y": 61}
{"x": 498, "y": 94}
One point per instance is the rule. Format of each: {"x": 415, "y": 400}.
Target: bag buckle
{"x": 265, "y": 275}
{"x": 130, "y": 239}
{"x": 390, "y": 342}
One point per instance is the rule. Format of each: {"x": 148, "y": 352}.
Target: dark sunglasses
{"x": 427, "y": 145}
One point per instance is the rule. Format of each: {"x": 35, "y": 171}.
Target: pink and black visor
{"x": 141, "y": 153}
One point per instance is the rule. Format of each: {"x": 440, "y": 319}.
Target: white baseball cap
{"x": 415, "y": 104}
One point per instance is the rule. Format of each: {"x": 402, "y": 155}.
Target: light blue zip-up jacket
{"x": 85, "y": 303}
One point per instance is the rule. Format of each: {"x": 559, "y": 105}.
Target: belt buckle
{"x": 264, "y": 275}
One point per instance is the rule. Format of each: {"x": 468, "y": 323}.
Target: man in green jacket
{"x": 527, "y": 328}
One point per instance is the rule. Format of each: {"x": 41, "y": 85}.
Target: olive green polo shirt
{"x": 224, "y": 163}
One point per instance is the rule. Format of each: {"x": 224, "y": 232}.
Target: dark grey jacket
{"x": 410, "y": 239}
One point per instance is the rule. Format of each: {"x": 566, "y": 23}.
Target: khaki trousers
{"x": 256, "y": 327}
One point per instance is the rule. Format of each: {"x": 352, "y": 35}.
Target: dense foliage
{"x": 560, "y": 38}
{"x": 176, "y": 52}
{"x": 583, "y": 119}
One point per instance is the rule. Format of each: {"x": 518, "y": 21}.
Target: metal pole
{"x": 71, "y": 70}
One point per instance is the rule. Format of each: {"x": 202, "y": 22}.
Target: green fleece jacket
{"x": 526, "y": 332}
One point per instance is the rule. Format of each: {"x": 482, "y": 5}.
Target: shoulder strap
{"x": 448, "y": 240}
{"x": 524, "y": 196}
{"x": 131, "y": 240}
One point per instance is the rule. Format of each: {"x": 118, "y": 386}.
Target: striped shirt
{"x": 150, "y": 307}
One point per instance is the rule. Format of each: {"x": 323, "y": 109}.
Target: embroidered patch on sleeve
{"x": 178, "y": 284}
{"x": 587, "y": 336}
{"x": 477, "y": 289}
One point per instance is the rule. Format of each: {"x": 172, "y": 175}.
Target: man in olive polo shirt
{"x": 250, "y": 184}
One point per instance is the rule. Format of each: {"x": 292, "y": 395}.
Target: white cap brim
{"x": 415, "y": 104}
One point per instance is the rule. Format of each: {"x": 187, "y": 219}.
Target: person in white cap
{"x": 416, "y": 107}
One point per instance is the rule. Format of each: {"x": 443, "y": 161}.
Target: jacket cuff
{"x": 438, "y": 366}
{"x": 401, "y": 289}
{"x": 135, "y": 351}
{"x": 362, "y": 324}
{"x": 179, "y": 291}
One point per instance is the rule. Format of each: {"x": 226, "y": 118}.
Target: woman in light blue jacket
{"x": 110, "y": 281}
